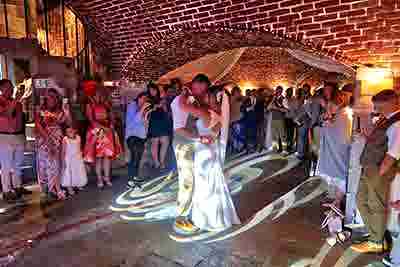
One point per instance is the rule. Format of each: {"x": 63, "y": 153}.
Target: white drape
{"x": 215, "y": 66}
{"x": 225, "y": 110}
{"x": 322, "y": 62}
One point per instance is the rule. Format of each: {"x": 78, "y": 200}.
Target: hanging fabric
{"x": 322, "y": 62}
{"x": 215, "y": 66}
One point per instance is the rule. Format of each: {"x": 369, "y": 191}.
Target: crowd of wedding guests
{"x": 314, "y": 126}
{"x": 60, "y": 153}
{"x": 285, "y": 121}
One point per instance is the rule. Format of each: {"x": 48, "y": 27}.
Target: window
{"x": 31, "y": 10}
{"x": 16, "y": 18}
{"x": 70, "y": 33}
{"x": 55, "y": 29}
{"x": 41, "y": 24}
{"x": 3, "y": 30}
{"x": 81, "y": 35}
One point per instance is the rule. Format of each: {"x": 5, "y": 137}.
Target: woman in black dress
{"x": 159, "y": 127}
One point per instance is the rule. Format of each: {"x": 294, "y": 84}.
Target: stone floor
{"x": 281, "y": 227}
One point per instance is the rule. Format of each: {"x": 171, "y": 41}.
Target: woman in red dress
{"x": 102, "y": 142}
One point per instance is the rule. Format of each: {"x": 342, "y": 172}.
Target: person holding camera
{"x": 12, "y": 143}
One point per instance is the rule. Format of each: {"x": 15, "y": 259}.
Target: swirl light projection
{"x": 348, "y": 258}
{"x": 157, "y": 199}
{"x": 305, "y": 192}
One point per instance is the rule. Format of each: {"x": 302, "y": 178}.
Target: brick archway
{"x": 368, "y": 31}
{"x": 169, "y": 50}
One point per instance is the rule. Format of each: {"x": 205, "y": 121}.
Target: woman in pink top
{"x": 12, "y": 140}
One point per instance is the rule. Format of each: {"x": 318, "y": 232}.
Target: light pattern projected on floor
{"x": 157, "y": 199}
{"x": 347, "y": 258}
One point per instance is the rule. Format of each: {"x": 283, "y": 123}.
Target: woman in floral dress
{"x": 49, "y": 135}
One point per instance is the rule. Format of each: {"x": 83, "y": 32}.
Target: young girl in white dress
{"x": 74, "y": 172}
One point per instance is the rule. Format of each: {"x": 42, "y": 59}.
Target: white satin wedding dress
{"x": 212, "y": 205}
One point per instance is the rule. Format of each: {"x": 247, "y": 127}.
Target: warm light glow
{"x": 109, "y": 83}
{"x": 246, "y": 85}
{"x": 374, "y": 75}
{"x": 282, "y": 83}
{"x": 349, "y": 112}
{"x": 374, "y": 80}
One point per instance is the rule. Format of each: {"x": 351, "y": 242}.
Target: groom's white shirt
{"x": 179, "y": 116}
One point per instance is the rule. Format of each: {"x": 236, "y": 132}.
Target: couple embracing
{"x": 201, "y": 121}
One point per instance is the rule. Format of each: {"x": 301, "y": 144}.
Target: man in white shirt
{"x": 184, "y": 112}
{"x": 393, "y": 259}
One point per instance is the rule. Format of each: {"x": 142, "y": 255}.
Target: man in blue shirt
{"x": 135, "y": 134}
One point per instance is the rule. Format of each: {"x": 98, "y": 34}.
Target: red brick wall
{"x": 366, "y": 30}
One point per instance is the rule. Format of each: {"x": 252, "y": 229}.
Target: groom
{"x": 185, "y": 109}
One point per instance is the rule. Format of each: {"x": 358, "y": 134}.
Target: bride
{"x": 212, "y": 205}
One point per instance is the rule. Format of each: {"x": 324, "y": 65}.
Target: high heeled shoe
{"x": 100, "y": 183}
{"x": 107, "y": 181}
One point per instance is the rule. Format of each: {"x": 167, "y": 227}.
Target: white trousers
{"x": 11, "y": 159}
{"x": 393, "y": 217}
{"x": 395, "y": 253}
{"x": 393, "y": 221}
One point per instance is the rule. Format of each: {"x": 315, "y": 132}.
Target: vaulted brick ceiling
{"x": 366, "y": 30}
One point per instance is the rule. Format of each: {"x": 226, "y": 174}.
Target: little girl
{"x": 74, "y": 172}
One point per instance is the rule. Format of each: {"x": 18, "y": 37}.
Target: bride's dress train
{"x": 212, "y": 205}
